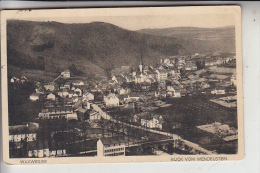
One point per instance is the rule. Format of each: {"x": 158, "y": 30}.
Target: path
{"x": 174, "y": 136}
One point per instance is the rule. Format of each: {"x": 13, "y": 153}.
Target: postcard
{"x": 104, "y": 85}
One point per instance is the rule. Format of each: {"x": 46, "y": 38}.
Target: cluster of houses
{"x": 14, "y": 79}
{"x": 24, "y": 137}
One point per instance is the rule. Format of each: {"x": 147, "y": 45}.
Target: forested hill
{"x": 94, "y": 48}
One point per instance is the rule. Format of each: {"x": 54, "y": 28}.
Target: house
{"x": 38, "y": 149}
{"x": 119, "y": 79}
{"x": 122, "y": 91}
{"x": 67, "y": 85}
{"x": 65, "y": 74}
{"x": 160, "y": 93}
{"x": 173, "y": 92}
{"x": 111, "y": 146}
{"x": 57, "y": 149}
{"x": 177, "y": 93}
{"x": 67, "y": 113}
{"x": 73, "y": 88}
{"x": 49, "y": 87}
{"x": 14, "y": 79}
{"x": 50, "y": 96}
{"x": 23, "y": 79}
{"x": 70, "y": 94}
{"x": 93, "y": 115}
{"x": 161, "y": 74}
{"x": 26, "y": 132}
{"x": 136, "y": 118}
{"x": 132, "y": 98}
{"x": 233, "y": 80}
{"x": 218, "y": 91}
{"x": 39, "y": 90}
{"x": 78, "y": 83}
{"x": 140, "y": 78}
{"x": 86, "y": 104}
{"x": 63, "y": 93}
{"x": 75, "y": 97}
{"x": 78, "y": 91}
{"x": 82, "y": 113}
{"x": 88, "y": 96}
{"x": 152, "y": 122}
{"x": 151, "y": 74}
{"x": 111, "y": 100}
{"x": 35, "y": 96}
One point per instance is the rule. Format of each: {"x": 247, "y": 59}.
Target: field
{"x": 198, "y": 110}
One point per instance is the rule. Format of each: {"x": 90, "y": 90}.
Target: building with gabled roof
{"x": 35, "y": 96}
{"x": 51, "y": 96}
{"x": 111, "y": 100}
{"x": 111, "y": 146}
{"x": 88, "y": 96}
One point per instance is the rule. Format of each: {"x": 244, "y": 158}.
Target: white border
{"x": 250, "y": 37}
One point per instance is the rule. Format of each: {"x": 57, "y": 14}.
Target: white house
{"x": 23, "y": 132}
{"x": 51, "y": 96}
{"x": 38, "y": 149}
{"x": 63, "y": 93}
{"x": 78, "y": 83}
{"x": 73, "y": 88}
{"x": 57, "y": 152}
{"x": 218, "y": 91}
{"x": 49, "y": 87}
{"x": 14, "y": 79}
{"x": 35, "y": 96}
{"x": 122, "y": 91}
{"x": 151, "y": 122}
{"x": 65, "y": 74}
{"x": 88, "y": 96}
{"x": 233, "y": 80}
{"x": 112, "y": 146}
{"x": 54, "y": 114}
{"x": 70, "y": 94}
{"x": 161, "y": 74}
{"x": 111, "y": 100}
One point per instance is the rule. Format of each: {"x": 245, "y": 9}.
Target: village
{"x": 140, "y": 111}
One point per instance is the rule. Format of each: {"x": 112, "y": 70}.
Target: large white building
{"x": 23, "y": 132}
{"x": 54, "y": 114}
{"x": 111, "y": 100}
{"x": 151, "y": 122}
{"x": 112, "y": 146}
{"x": 161, "y": 74}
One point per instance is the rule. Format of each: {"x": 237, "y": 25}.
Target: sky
{"x": 136, "y": 19}
{"x": 152, "y": 22}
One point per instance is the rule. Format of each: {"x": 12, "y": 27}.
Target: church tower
{"x": 141, "y": 64}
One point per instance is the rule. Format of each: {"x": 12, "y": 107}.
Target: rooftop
{"x": 112, "y": 140}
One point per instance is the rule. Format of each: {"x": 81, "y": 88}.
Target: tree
{"x": 74, "y": 71}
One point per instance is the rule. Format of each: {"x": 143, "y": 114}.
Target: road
{"x": 174, "y": 136}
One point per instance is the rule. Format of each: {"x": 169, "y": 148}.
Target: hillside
{"x": 212, "y": 39}
{"x": 95, "y": 48}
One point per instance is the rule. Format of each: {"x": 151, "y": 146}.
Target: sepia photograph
{"x": 122, "y": 85}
